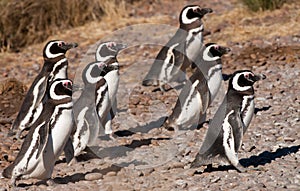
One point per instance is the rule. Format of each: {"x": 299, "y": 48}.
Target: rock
{"x": 93, "y": 176}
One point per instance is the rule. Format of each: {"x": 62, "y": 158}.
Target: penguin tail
{"x": 149, "y": 82}
{"x": 7, "y": 172}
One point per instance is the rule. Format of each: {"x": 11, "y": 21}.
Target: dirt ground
{"x": 144, "y": 158}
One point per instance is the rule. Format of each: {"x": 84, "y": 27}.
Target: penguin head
{"x": 192, "y": 13}
{"x": 108, "y": 50}
{"x": 213, "y": 52}
{"x": 56, "y": 48}
{"x": 60, "y": 89}
{"x": 93, "y": 72}
{"x": 243, "y": 80}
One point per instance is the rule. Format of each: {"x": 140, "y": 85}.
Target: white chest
{"x": 215, "y": 80}
{"x": 112, "y": 79}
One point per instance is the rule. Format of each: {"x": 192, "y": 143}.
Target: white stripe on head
{"x": 235, "y": 84}
{"x": 49, "y": 54}
{"x": 184, "y": 18}
{"x": 89, "y": 78}
{"x": 53, "y": 95}
{"x": 207, "y": 55}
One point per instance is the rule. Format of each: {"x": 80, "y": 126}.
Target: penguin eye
{"x": 216, "y": 47}
{"x": 67, "y": 84}
{"x": 60, "y": 44}
{"x": 197, "y": 10}
{"x": 248, "y": 75}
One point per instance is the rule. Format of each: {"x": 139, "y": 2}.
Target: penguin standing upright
{"x": 224, "y": 135}
{"x": 169, "y": 64}
{"x": 93, "y": 101}
{"x": 202, "y": 87}
{"x": 55, "y": 67}
{"x": 47, "y": 136}
{"x": 107, "y": 52}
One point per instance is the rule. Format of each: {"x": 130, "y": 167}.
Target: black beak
{"x": 258, "y": 77}
{"x": 204, "y": 11}
{"x": 119, "y": 47}
{"x": 111, "y": 68}
{"x": 224, "y": 50}
{"x": 68, "y": 46}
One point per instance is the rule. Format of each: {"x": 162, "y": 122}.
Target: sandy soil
{"x": 144, "y": 158}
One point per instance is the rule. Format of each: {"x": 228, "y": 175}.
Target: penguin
{"x": 224, "y": 135}
{"x": 55, "y": 67}
{"x": 209, "y": 61}
{"x": 47, "y": 136}
{"x": 107, "y": 52}
{"x": 92, "y": 103}
{"x": 200, "y": 90}
{"x": 169, "y": 64}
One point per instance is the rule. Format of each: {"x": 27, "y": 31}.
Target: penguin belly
{"x": 247, "y": 110}
{"x": 214, "y": 82}
{"x": 61, "y": 131}
{"x": 112, "y": 79}
{"x": 194, "y": 43}
{"x": 191, "y": 109}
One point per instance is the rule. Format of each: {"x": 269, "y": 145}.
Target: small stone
{"x": 253, "y": 56}
{"x": 112, "y": 173}
{"x": 177, "y": 165}
{"x": 93, "y": 176}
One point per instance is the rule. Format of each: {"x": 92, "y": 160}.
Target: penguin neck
{"x": 50, "y": 63}
{"x": 108, "y": 59}
{"x": 196, "y": 24}
{"x": 236, "y": 98}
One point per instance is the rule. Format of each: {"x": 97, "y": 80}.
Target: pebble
{"x": 93, "y": 176}
{"x": 111, "y": 173}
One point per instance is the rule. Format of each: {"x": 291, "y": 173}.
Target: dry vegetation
{"x": 26, "y": 22}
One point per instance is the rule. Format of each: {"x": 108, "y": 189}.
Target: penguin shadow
{"x": 115, "y": 151}
{"x": 267, "y": 156}
{"x": 78, "y": 176}
{"x": 141, "y": 129}
{"x": 255, "y": 161}
{"x": 265, "y": 108}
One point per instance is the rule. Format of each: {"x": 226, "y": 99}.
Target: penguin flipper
{"x": 69, "y": 150}
{"x": 43, "y": 132}
{"x": 41, "y": 93}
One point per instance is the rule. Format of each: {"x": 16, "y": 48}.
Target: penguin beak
{"x": 204, "y": 11}
{"x": 120, "y": 46}
{"x": 258, "y": 77}
{"x": 67, "y": 46}
{"x": 111, "y": 67}
{"x": 224, "y": 50}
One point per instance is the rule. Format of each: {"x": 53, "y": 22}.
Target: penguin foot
{"x": 50, "y": 182}
{"x": 13, "y": 181}
{"x": 240, "y": 168}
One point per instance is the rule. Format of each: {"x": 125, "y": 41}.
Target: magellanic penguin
{"x": 169, "y": 64}
{"x": 55, "y": 67}
{"x": 47, "y": 136}
{"x": 107, "y": 52}
{"x": 93, "y": 101}
{"x": 209, "y": 61}
{"x": 200, "y": 90}
{"x": 224, "y": 135}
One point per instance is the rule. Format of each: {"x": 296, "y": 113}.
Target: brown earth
{"x": 142, "y": 157}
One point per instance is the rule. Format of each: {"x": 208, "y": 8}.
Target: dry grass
{"x": 26, "y": 22}
{"x": 262, "y": 5}
{"x": 240, "y": 24}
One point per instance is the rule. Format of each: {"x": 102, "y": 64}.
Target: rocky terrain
{"x": 144, "y": 157}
